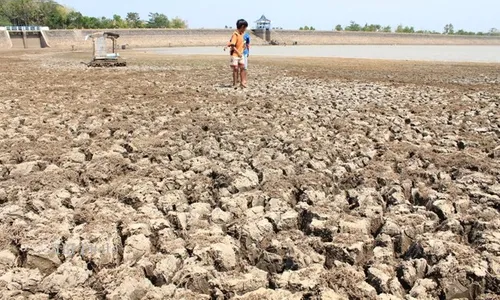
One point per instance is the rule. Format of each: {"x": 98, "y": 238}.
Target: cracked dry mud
{"x": 326, "y": 179}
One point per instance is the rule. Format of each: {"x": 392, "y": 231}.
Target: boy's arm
{"x": 228, "y": 45}
{"x": 236, "y": 50}
{"x": 233, "y": 40}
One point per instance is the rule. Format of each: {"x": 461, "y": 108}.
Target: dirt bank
{"x": 149, "y": 38}
{"x": 144, "y": 38}
{"x": 376, "y": 38}
{"x": 326, "y": 179}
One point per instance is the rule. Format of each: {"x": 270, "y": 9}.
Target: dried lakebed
{"x": 477, "y": 53}
{"x": 324, "y": 180}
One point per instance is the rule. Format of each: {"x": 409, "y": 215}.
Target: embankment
{"x": 146, "y": 38}
{"x": 5, "y": 42}
{"x": 376, "y": 38}
{"x": 150, "y": 38}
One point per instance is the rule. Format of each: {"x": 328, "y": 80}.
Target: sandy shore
{"x": 326, "y": 179}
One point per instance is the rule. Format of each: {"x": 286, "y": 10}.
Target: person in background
{"x": 237, "y": 45}
{"x": 246, "y": 52}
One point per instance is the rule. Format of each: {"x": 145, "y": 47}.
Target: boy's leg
{"x": 234, "y": 68}
{"x": 235, "y": 76}
{"x": 243, "y": 72}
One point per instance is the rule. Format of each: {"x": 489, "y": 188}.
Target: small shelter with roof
{"x": 263, "y": 23}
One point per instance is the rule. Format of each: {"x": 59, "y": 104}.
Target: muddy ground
{"x": 325, "y": 179}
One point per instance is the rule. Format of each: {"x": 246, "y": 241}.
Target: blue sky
{"x": 478, "y": 15}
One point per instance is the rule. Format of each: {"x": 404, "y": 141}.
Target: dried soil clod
{"x": 334, "y": 179}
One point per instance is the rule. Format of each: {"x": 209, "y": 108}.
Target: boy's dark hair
{"x": 241, "y": 23}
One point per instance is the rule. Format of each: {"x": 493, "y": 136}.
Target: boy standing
{"x": 237, "y": 45}
{"x": 246, "y": 52}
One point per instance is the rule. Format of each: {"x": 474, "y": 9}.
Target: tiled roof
{"x": 263, "y": 19}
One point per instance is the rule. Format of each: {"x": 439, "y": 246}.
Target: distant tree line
{"x": 307, "y": 28}
{"x": 54, "y": 15}
{"x": 448, "y": 29}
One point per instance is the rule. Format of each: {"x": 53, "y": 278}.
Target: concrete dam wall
{"x": 151, "y": 38}
{"x": 146, "y": 38}
{"x": 291, "y": 37}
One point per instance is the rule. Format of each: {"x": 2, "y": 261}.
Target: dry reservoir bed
{"x": 326, "y": 179}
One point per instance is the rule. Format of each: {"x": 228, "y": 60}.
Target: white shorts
{"x": 235, "y": 61}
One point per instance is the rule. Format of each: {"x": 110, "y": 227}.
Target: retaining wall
{"x": 17, "y": 40}
{"x": 149, "y": 38}
{"x": 376, "y": 38}
{"x": 5, "y": 42}
{"x": 34, "y": 40}
{"x": 146, "y": 38}
{"x": 44, "y": 40}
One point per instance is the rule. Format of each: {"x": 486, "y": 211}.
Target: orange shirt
{"x": 237, "y": 41}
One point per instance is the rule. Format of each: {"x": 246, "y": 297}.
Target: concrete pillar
{"x": 5, "y": 41}
{"x": 261, "y": 33}
{"x": 25, "y": 39}
{"x": 44, "y": 40}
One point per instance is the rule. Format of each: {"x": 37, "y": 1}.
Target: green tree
{"x": 118, "y": 22}
{"x": 7, "y": 11}
{"x": 178, "y": 23}
{"x": 52, "y": 14}
{"x": 463, "y": 32}
{"x": 371, "y": 27}
{"x": 448, "y": 29}
{"x": 21, "y": 12}
{"x": 74, "y": 20}
{"x": 353, "y": 27}
{"x": 387, "y": 29}
{"x": 4, "y": 13}
{"x": 157, "y": 20}
{"x": 4, "y": 21}
{"x": 307, "y": 28}
{"x": 93, "y": 22}
{"x": 106, "y": 23}
{"x": 405, "y": 29}
{"x": 338, "y": 27}
{"x": 133, "y": 19}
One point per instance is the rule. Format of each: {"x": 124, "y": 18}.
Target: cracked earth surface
{"x": 325, "y": 179}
